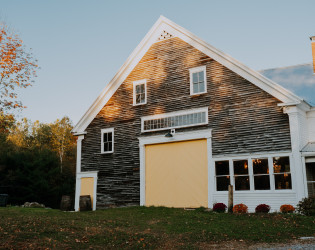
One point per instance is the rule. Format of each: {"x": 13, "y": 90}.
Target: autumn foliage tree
{"x": 62, "y": 139}
{"x": 17, "y": 68}
{"x": 32, "y": 155}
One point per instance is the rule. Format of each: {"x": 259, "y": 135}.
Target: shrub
{"x": 219, "y": 207}
{"x": 240, "y": 208}
{"x": 307, "y": 206}
{"x": 287, "y": 208}
{"x": 262, "y": 208}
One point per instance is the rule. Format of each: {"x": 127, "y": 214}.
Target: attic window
{"x": 107, "y": 140}
{"x": 139, "y": 92}
{"x": 178, "y": 119}
{"x": 164, "y": 35}
{"x": 198, "y": 80}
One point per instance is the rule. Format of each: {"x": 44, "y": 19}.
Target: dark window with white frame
{"x": 198, "y": 80}
{"x": 139, "y": 92}
{"x": 222, "y": 173}
{"x": 261, "y": 174}
{"x": 310, "y": 177}
{"x": 282, "y": 173}
{"x": 254, "y": 174}
{"x": 107, "y": 141}
{"x": 241, "y": 175}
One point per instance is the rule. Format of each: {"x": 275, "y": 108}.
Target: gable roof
{"x": 162, "y": 26}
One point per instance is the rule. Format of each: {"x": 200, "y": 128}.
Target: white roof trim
{"x": 177, "y": 31}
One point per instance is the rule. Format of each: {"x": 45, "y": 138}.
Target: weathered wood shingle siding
{"x": 244, "y": 118}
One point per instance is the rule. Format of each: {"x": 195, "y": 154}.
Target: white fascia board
{"x": 253, "y": 76}
{"x": 301, "y": 105}
{"x": 161, "y": 24}
{"x": 118, "y": 79}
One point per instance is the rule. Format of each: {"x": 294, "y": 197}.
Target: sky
{"x": 80, "y": 45}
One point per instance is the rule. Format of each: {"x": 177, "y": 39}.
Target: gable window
{"x": 198, "y": 80}
{"x": 139, "y": 92}
{"x": 107, "y": 140}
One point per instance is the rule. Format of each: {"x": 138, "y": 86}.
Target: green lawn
{"x": 139, "y": 227}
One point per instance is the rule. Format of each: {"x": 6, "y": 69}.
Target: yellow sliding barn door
{"x": 176, "y": 174}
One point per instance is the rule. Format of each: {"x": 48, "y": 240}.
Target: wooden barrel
{"x": 65, "y": 204}
{"x": 85, "y": 203}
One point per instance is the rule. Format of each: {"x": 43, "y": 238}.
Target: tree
{"x": 62, "y": 139}
{"x": 17, "y": 68}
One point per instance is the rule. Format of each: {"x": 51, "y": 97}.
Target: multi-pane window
{"x": 139, "y": 92}
{"x": 107, "y": 140}
{"x": 198, "y": 82}
{"x": 261, "y": 174}
{"x": 175, "y": 120}
{"x": 241, "y": 175}
{"x": 265, "y": 173}
{"x": 282, "y": 174}
{"x": 222, "y": 173}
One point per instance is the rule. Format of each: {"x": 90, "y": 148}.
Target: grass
{"x": 140, "y": 227}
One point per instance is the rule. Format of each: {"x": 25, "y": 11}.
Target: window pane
{"x": 137, "y": 89}
{"x": 201, "y": 76}
{"x": 311, "y": 189}
{"x": 241, "y": 182}
{"x": 310, "y": 171}
{"x": 195, "y": 86}
{"x": 203, "y": 117}
{"x": 110, "y": 146}
{"x": 138, "y": 98}
{"x": 105, "y": 146}
{"x": 201, "y": 87}
{"x": 262, "y": 182}
{"x": 142, "y": 88}
{"x": 105, "y": 139}
{"x": 223, "y": 183}
{"x": 281, "y": 164}
{"x": 142, "y": 97}
{"x": 283, "y": 181}
{"x": 110, "y": 135}
{"x": 240, "y": 167}
{"x": 260, "y": 166}
{"x": 222, "y": 168}
{"x": 195, "y": 77}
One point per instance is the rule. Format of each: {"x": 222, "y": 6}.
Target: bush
{"x": 307, "y": 206}
{"x": 240, "y": 209}
{"x": 262, "y": 208}
{"x": 219, "y": 207}
{"x": 287, "y": 208}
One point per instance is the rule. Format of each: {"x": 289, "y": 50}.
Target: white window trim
{"x": 106, "y": 130}
{"x": 91, "y": 174}
{"x": 251, "y": 175}
{"x": 195, "y": 70}
{"x": 144, "y": 81}
{"x": 176, "y": 113}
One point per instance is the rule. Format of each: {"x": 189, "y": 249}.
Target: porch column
{"x": 298, "y": 130}
{"x": 78, "y": 170}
